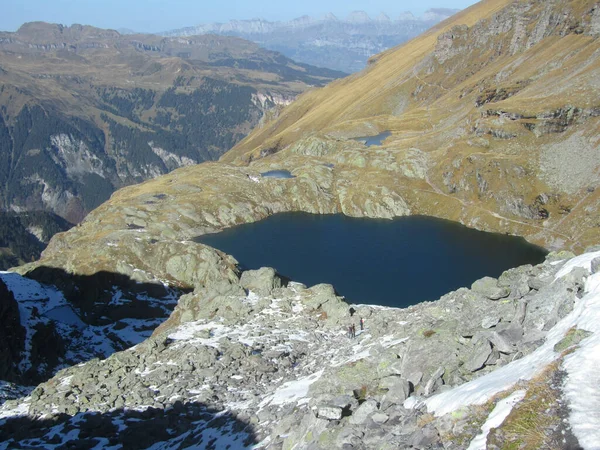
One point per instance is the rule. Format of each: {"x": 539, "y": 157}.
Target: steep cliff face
{"x": 12, "y": 335}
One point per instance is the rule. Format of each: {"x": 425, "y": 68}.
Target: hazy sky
{"x": 161, "y": 15}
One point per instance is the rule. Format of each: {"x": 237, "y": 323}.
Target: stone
{"x": 501, "y": 344}
{"x": 480, "y": 355}
{"x": 559, "y": 256}
{"x": 380, "y": 418}
{"x": 489, "y": 322}
{"x": 538, "y": 283}
{"x": 573, "y": 337}
{"x": 516, "y": 280}
{"x": 511, "y": 332}
{"x": 363, "y": 412}
{"x": 488, "y": 287}
{"x": 435, "y": 381}
{"x": 346, "y": 402}
{"x": 261, "y": 281}
{"x": 424, "y": 437}
{"x": 398, "y": 391}
{"x": 329, "y": 412}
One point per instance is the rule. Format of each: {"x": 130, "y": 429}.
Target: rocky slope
{"x": 46, "y": 327}
{"x": 84, "y": 111}
{"x": 338, "y": 44}
{"x": 266, "y": 362}
{"x": 250, "y": 358}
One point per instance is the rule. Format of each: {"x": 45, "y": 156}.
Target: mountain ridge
{"x": 341, "y": 44}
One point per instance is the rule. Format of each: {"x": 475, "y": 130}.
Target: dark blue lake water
{"x": 370, "y": 141}
{"x": 397, "y": 262}
{"x": 277, "y": 174}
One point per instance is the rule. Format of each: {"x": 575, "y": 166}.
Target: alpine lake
{"x": 399, "y": 262}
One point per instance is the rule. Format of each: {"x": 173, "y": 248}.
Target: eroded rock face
{"x": 12, "y": 335}
{"x": 282, "y": 363}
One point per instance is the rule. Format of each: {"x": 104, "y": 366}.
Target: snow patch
{"x": 585, "y": 315}
{"x": 292, "y": 391}
{"x": 496, "y": 418}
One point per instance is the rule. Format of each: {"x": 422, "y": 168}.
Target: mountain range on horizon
{"x": 328, "y": 41}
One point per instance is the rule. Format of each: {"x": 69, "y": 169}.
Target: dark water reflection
{"x": 384, "y": 262}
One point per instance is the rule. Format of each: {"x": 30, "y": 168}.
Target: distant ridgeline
{"x": 338, "y": 44}
{"x": 85, "y": 111}
{"x": 23, "y": 236}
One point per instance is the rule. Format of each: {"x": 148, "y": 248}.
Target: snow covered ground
{"x": 583, "y": 381}
{"x": 43, "y": 304}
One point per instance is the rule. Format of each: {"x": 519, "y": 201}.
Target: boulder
{"x": 380, "y": 418}
{"x": 363, "y": 412}
{"x": 516, "y": 280}
{"x": 435, "y": 381}
{"x": 398, "y": 390}
{"x": 489, "y": 322}
{"x": 261, "y": 281}
{"x": 480, "y": 355}
{"x": 488, "y": 287}
{"x": 329, "y": 412}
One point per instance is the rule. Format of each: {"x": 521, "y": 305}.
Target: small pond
{"x": 397, "y": 262}
{"x": 370, "y": 141}
{"x": 277, "y": 174}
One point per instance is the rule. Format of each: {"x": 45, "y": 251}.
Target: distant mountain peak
{"x": 383, "y": 17}
{"x": 358, "y": 17}
{"x": 406, "y": 15}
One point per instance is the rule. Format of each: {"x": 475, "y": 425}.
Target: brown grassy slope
{"x": 362, "y": 96}
{"x": 428, "y": 81}
{"x": 503, "y": 100}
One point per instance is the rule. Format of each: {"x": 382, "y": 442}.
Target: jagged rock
{"x": 511, "y": 332}
{"x": 363, "y": 412}
{"x": 500, "y": 343}
{"x": 559, "y": 256}
{"x": 398, "y": 390}
{"x": 322, "y": 298}
{"x": 434, "y": 382}
{"x": 489, "y": 288}
{"x": 489, "y": 322}
{"x": 516, "y": 280}
{"x": 346, "y": 402}
{"x": 573, "y": 337}
{"x": 480, "y": 355}
{"x": 424, "y": 438}
{"x": 261, "y": 281}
